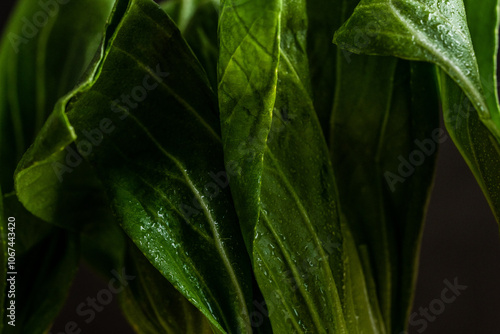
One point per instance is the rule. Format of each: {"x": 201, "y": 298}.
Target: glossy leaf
{"x": 282, "y": 181}
{"x": 483, "y": 22}
{"x": 248, "y": 67}
{"x": 152, "y": 305}
{"x": 422, "y": 30}
{"x": 174, "y": 205}
{"x": 476, "y": 144}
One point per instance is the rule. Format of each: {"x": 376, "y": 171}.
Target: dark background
{"x": 460, "y": 241}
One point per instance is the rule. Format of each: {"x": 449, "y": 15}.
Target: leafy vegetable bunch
{"x": 243, "y": 172}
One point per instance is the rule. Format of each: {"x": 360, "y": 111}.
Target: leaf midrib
{"x": 217, "y": 238}
{"x": 333, "y": 296}
{"x": 187, "y": 260}
{"x": 427, "y": 44}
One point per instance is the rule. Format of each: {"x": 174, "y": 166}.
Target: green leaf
{"x": 358, "y": 119}
{"x": 475, "y": 142}
{"x": 174, "y": 205}
{"x": 477, "y": 145}
{"x": 46, "y": 262}
{"x": 62, "y": 190}
{"x": 44, "y": 50}
{"x": 35, "y": 73}
{"x": 483, "y": 22}
{"x": 42, "y": 59}
{"x": 440, "y": 35}
{"x": 361, "y": 303}
{"x": 281, "y": 179}
{"x": 382, "y": 108}
{"x": 248, "y": 73}
{"x": 152, "y": 305}
{"x": 423, "y": 30}
{"x": 378, "y": 117}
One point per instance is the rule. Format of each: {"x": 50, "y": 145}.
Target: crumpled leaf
{"x": 39, "y": 64}
{"x": 35, "y": 71}
{"x": 142, "y": 114}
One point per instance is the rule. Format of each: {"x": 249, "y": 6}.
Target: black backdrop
{"x": 460, "y": 243}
